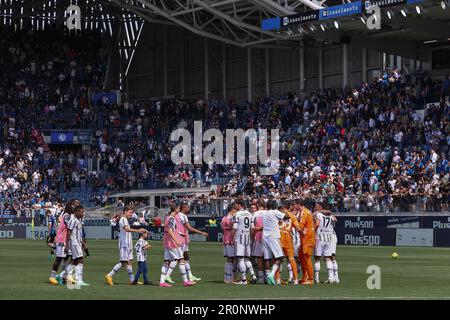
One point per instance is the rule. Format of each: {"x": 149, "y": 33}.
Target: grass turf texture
{"x": 417, "y": 273}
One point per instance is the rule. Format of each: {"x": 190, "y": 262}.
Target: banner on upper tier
{"x": 342, "y": 10}
{"x": 332, "y": 12}
{"x": 61, "y": 137}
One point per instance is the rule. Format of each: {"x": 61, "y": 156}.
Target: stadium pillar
{"x": 399, "y": 63}
{"x": 320, "y": 69}
{"x": 249, "y": 74}
{"x": 165, "y": 59}
{"x": 302, "y": 68}
{"x": 224, "y": 70}
{"x": 412, "y": 65}
{"x": 206, "y": 69}
{"x": 267, "y": 66}
{"x": 181, "y": 63}
{"x": 391, "y": 61}
{"x": 344, "y": 65}
{"x": 364, "y": 65}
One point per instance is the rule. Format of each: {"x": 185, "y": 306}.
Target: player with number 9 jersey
{"x": 242, "y": 226}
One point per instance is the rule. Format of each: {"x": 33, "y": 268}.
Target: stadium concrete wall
{"x": 171, "y": 61}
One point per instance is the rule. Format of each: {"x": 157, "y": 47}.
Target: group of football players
{"x": 258, "y": 238}
{"x": 262, "y": 236}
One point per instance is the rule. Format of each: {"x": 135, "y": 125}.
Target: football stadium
{"x": 224, "y": 149}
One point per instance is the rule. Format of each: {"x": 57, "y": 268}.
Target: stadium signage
{"x": 342, "y": 10}
{"x": 12, "y": 232}
{"x": 346, "y": 9}
{"x": 366, "y": 237}
{"x": 300, "y": 18}
{"x": 383, "y": 3}
{"x": 214, "y": 153}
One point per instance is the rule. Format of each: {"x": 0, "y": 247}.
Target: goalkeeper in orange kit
{"x": 307, "y": 235}
{"x": 287, "y": 240}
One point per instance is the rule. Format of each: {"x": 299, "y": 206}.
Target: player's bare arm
{"x": 195, "y": 230}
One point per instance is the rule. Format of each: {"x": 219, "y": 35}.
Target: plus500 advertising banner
{"x": 366, "y": 237}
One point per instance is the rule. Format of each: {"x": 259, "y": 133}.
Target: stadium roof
{"x": 239, "y": 22}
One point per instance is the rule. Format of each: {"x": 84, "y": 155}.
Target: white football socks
{"x": 335, "y": 271}
{"x": 249, "y": 266}
{"x": 79, "y": 272}
{"x": 330, "y": 270}
{"x": 316, "y": 270}
{"x": 115, "y": 269}
{"x": 130, "y": 273}
{"x": 188, "y": 269}
{"x": 164, "y": 270}
{"x": 182, "y": 268}
{"x": 172, "y": 266}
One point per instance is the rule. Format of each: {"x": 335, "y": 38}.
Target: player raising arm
{"x": 184, "y": 232}
{"x": 173, "y": 249}
{"x": 287, "y": 241}
{"x": 271, "y": 237}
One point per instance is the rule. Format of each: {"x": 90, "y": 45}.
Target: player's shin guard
{"x": 228, "y": 272}
{"x": 250, "y": 269}
{"x": 291, "y": 274}
{"x": 164, "y": 270}
{"x": 79, "y": 272}
{"x": 182, "y": 268}
{"x": 330, "y": 270}
{"x": 130, "y": 273}
{"x": 172, "y": 266}
{"x": 274, "y": 269}
{"x": 242, "y": 269}
{"x": 316, "y": 270}
{"x": 188, "y": 269}
{"x": 335, "y": 271}
{"x": 115, "y": 269}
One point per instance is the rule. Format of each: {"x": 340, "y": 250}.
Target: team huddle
{"x": 258, "y": 238}
{"x": 264, "y": 235}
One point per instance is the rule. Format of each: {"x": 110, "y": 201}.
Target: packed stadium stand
{"x": 378, "y": 145}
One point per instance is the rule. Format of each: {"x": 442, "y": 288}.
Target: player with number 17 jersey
{"x": 324, "y": 234}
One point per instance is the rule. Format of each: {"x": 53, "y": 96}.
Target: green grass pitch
{"x": 417, "y": 273}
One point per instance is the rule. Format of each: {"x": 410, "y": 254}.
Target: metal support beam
{"x": 165, "y": 60}
{"x": 267, "y": 67}
{"x": 206, "y": 69}
{"x": 398, "y": 64}
{"x": 224, "y": 70}
{"x": 320, "y": 68}
{"x": 364, "y": 64}
{"x": 181, "y": 63}
{"x": 302, "y": 67}
{"x": 345, "y": 70}
{"x": 249, "y": 74}
{"x": 391, "y": 61}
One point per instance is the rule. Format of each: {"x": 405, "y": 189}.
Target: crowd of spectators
{"x": 365, "y": 148}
